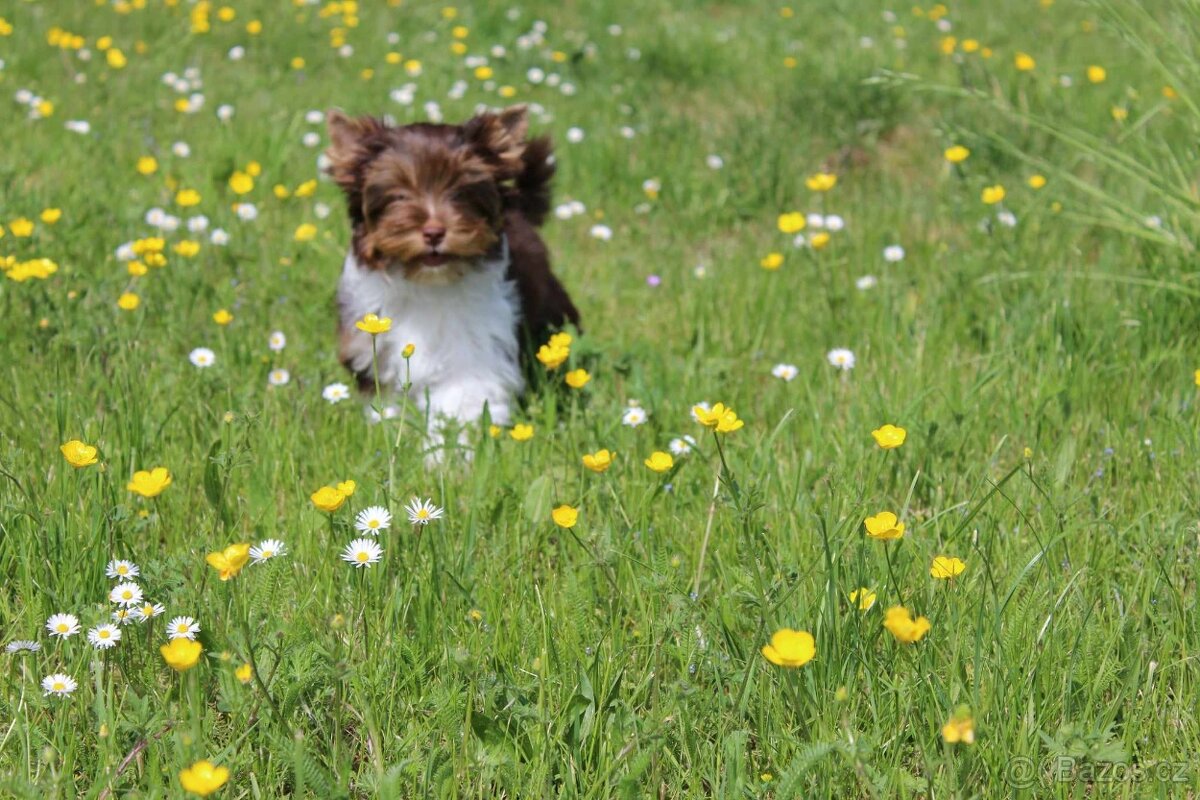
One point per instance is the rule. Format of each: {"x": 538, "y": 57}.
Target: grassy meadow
{"x": 974, "y": 221}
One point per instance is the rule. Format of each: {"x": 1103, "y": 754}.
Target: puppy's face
{"x": 426, "y": 201}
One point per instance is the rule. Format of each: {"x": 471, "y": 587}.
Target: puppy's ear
{"x": 352, "y": 142}
{"x": 500, "y": 137}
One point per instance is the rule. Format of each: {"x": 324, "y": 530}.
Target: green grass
{"x": 1043, "y": 373}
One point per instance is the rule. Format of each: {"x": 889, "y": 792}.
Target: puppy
{"x": 444, "y": 242}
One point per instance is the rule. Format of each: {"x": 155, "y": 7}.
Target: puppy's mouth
{"x": 433, "y": 258}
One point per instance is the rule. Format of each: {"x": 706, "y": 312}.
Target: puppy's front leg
{"x": 459, "y": 402}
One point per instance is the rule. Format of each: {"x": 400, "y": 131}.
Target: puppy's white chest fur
{"x": 464, "y": 336}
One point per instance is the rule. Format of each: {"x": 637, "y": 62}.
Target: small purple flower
{"x": 653, "y": 280}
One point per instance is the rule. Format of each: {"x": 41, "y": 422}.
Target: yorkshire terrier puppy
{"x": 444, "y": 241}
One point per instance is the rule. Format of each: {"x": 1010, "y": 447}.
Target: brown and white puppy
{"x": 444, "y": 243}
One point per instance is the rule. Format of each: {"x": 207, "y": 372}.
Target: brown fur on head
{"x": 430, "y": 200}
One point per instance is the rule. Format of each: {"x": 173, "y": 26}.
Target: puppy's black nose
{"x": 433, "y": 234}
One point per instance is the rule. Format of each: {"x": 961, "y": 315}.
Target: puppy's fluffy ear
{"x": 352, "y": 142}
{"x": 500, "y": 137}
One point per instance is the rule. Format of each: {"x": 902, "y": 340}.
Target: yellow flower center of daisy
{"x": 362, "y": 555}
{"x": 58, "y": 686}
{"x": 126, "y": 594}
{"x": 372, "y": 523}
{"x": 103, "y": 634}
{"x": 268, "y": 553}
{"x": 147, "y": 610}
{"x": 183, "y": 628}
{"x": 423, "y": 514}
{"x": 63, "y": 627}
{"x": 121, "y": 570}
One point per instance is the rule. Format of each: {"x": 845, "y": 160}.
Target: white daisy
{"x": 277, "y": 341}
{"x": 311, "y": 139}
{"x": 841, "y": 358}
{"x": 104, "y": 636}
{"x": 236, "y": 53}
{"x": 124, "y": 616}
{"x": 225, "y": 112}
{"x": 634, "y": 416}
{"x": 22, "y": 645}
{"x": 197, "y": 224}
{"x": 422, "y": 512}
{"x": 247, "y": 212}
{"x": 362, "y": 553}
{"x": 601, "y": 232}
{"x": 834, "y": 223}
{"x": 58, "y": 684}
{"x": 336, "y": 392}
{"x": 893, "y": 253}
{"x": 278, "y": 377}
{"x": 202, "y": 357}
{"x": 183, "y": 628}
{"x": 314, "y": 117}
{"x": 321, "y": 210}
{"x": 148, "y": 611}
{"x": 575, "y": 135}
{"x": 267, "y": 549}
{"x": 126, "y": 594}
{"x": 219, "y": 237}
{"x": 1006, "y": 218}
{"x": 784, "y": 371}
{"x": 373, "y": 520}
{"x": 865, "y": 282}
{"x": 181, "y": 149}
{"x": 122, "y": 570}
{"x": 681, "y": 446}
{"x": 63, "y": 625}
{"x": 714, "y": 161}
{"x": 815, "y": 220}
{"x": 78, "y": 126}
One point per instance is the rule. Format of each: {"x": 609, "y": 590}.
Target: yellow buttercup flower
{"x": 821, "y": 182}
{"x": 244, "y": 673}
{"x": 771, "y": 261}
{"x": 719, "y": 418}
{"x": 960, "y": 728}
{"x": 222, "y": 317}
{"x": 115, "y": 58}
{"x": 598, "y": 461}
{"x": 328, "y": 499}
{"x": 1036, "y": 181}
{"x": 51, "y": 215}
{"x": 1197, "y": 377}
{"x": 819, "y": 240}
{"x": 560, "y": 339}
{"x": 791, "y": 222}
{"x": 889, "y": 436}
{"x": 1096, "y": 74}
{"x": 789, "y": 648}
{"x": 884, "y": 525}
{"x": 946, "y": 567}
{"x": 147, "y": 165}
{"x": 901, "y": 624}
{"x": 21, "y": 227}
{"x": 1024, "y": 62}
{"x": 305, "y": 233}
{"x": 150, "y": 483}
{"x": 229, "y": 562}
{"x": 374, "y": 325}
{"x": 565, "y": 516}
{"x": 241, "y": 183}
{"x": 992, "y": 194}
{"x": 864, "y": 597}
{"x": 659, "y": 461}
{"x": 521, "y": 432}
{"x": 408, "y": 350}
{"x": 347, "y": 487}
{"x": 552, "y": 356}
{"x": 181, "y": 654}
{"x": 202, "y": 778}
{"x": 577, "y": 378}
{"x": 956, "y": 154}
{"x": 187, "y": 248}
{"x": 187, "y": 197}
{"x": 78, "y": 454}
